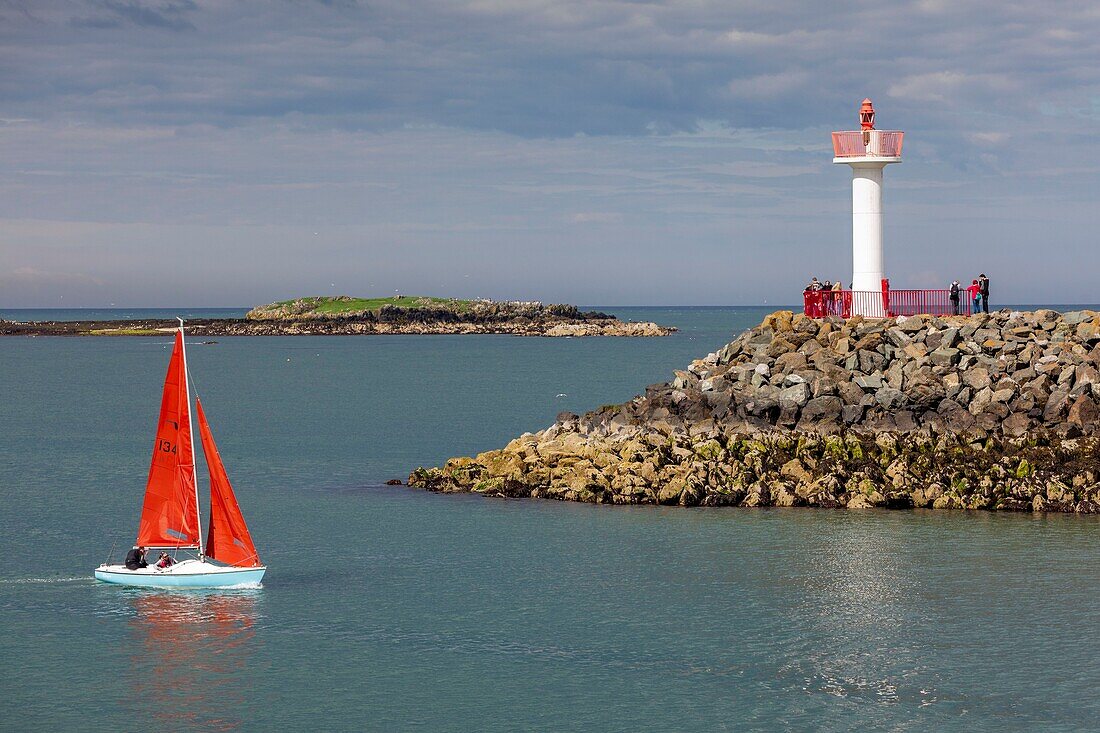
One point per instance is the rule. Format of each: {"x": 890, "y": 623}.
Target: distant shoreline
{"x": 344, "y": 315}
{"x": 214, "y": 327}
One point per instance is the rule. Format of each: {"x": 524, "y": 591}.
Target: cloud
{"x": 990, "y": 138}
{"x": 769, "y": 86}
{"x": 32, "y": 276}
{"x": 950, "y": 87}
{"x": 166, "y": 14}
{"x": 596, "y": 217}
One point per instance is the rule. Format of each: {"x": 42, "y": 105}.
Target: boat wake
{"x": 76, "y": 579}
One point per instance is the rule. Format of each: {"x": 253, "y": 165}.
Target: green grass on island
{"x": 345, "y": 304}
{"x": 354, "y": 305}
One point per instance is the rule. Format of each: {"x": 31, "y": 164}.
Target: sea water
{"x": 389, "y": 609}
{"x": 116, "y": 314}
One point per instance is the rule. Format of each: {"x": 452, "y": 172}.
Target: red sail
{"x": 227, "y": 539}
{"x": 170, "y": 514}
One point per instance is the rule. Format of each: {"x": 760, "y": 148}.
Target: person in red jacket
{"x": 975, "y": 292}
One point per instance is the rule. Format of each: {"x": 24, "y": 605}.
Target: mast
{"x": 191, "y": 429}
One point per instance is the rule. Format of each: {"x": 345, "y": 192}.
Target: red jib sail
{"x": 227, "y": 539}
{"x": 170, "y": 514}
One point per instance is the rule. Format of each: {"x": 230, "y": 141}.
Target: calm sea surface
{"x": 387, "y": 609}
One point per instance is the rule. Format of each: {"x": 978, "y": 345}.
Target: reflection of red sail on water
{"x": 192, "y": 669}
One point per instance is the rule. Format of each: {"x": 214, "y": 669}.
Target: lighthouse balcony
{"x": 872, "y": 145}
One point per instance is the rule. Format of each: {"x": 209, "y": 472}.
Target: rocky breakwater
{"x": 992, "y": 411}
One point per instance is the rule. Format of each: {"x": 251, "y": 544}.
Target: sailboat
{"x": 170, "y": 512}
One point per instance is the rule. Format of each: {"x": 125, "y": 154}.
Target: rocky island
{"x": 996, "y": 411}
{"x": 345, "y": 315}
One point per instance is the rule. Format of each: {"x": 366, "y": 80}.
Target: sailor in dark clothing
{"x": 135, "y": 558}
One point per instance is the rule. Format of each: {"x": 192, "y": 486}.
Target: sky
{"x": 600, "y": 152}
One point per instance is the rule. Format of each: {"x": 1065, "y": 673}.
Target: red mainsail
{"x": 170, "y": 514}
{"x": 227, "y": 539}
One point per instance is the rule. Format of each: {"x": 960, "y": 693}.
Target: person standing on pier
{"x": 955, "y": 291}
{"x": 834, "y": 297}
{"x": 975, "y": 292}
{"x": 983, "y": 288}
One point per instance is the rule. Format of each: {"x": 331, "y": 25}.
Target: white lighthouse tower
{"x": 867, "y": 151}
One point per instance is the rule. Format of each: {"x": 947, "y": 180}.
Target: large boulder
{"x": 890, "y": 399}
{"x": 951, "y": 417}
{"x": 869, "y": 382}
{"x": 1056, "y": 406}
{"x": 1083, "y": 413}
{"x": 976, "y": 378}
{"x": 944, "y": 357}
{"x": 925, "y": 390}
{"x": 821, "y": 410}
{"x": 789, "y": 362}
{"x": 798, "y": 393}
{"x": 1016, "y": 424}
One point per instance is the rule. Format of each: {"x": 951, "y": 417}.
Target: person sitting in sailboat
{"x": 165, "y": 561}
{"x": 135, "y": 558}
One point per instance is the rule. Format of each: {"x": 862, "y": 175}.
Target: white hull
{"x": 185, "y": 574}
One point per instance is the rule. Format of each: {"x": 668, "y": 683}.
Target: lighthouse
{"x": 868, "y": 151}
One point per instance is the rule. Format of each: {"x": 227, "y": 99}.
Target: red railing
{"x": 843, "y": 303}
{"x": 930, "y": 302}
{"x": 873, "y": 143}
{"x": 884, "y": 303}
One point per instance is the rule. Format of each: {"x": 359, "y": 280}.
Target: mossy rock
{"x": 670, "y": 492}
{"x": 854, "y": 448}
{"x": 489, "y": 486}
{"x": 425, "y": 477}
{"x": 835, "y": 447}
{"x": 709, "y": 450}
